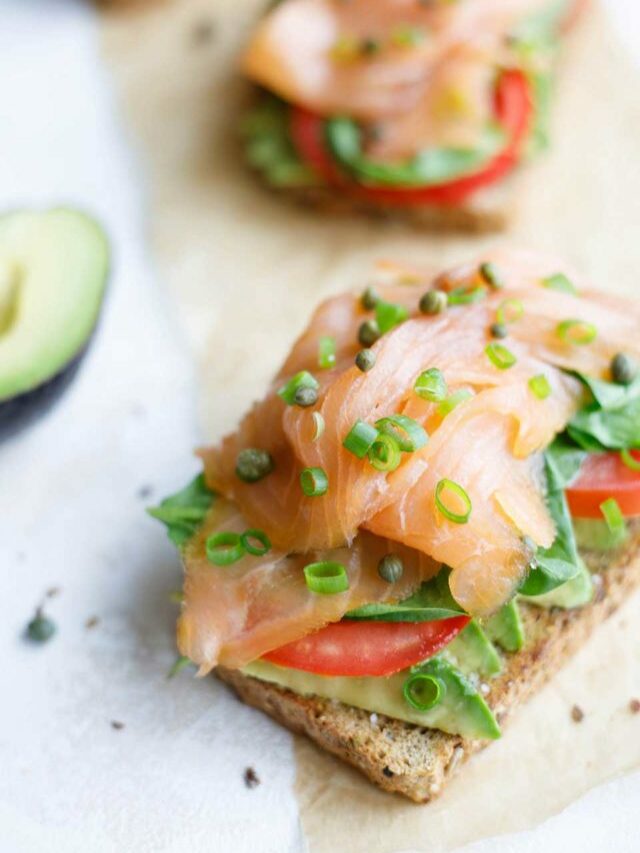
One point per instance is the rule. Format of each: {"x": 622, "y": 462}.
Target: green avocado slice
{"x": 53, "y": 274}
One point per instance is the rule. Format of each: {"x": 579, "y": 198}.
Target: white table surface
{"x": 71, "y": 517}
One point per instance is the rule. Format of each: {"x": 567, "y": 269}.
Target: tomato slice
{"x": 367, "y": 648}
{"x": 513, "y": 108}
{"x": 602, "y": 476}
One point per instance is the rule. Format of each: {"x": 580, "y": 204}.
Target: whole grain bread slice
{"x": 416, "y": 761}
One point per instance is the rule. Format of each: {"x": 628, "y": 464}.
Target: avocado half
{"x": 53, "y": 275}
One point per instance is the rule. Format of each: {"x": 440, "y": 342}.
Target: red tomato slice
{"x": 602, "y": 476}
{"x": 367, "y": 648}
{"x": 513, "y": 108}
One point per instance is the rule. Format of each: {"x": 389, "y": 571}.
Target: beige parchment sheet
{"x": 244, "y": 269}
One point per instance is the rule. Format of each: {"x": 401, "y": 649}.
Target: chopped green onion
{"x": 179, "y": 664}
{"x": 326, "y": 577}
{"x": 560, "y": 282}
{"x": 360, "y": 438}
{"x": 489, "y": 273}
{"x": 224, "y": 548}
{"x": 458, "y": 493}
{"x": 630, "y": 461}
{"x": 249, "y": 537}
{"x": 576, "y": 332}
{"x": 369, "y": 299}
{"x": 326, "y": 352}
{"x": 540, "y": 386}
{"x": 390, "y": 568}
{"x": 253, "y": 464}
{"x": 389, "y": 315}
{"x": 465, "y": 296}
{"x": 314, "y": 482}
{"x": 423, "y": 692}
{"x": 368, "y": 333}
{"x": 433, "y": 302}
{"x": 384, "y": 453}
{"x": 318, "y": 422}
{"x": 509, "y": 311}
{"x": 304, "y": 379}
{"x": 624, "y": 369}
{"x": 453, "y": 400}
{"x": 407, "y": 432}
{"x": 431, "y": 385}
{"x": 406, "y": 35}
{"x": 500, "y": 356}
{"x": 613, "y": 515}
{"x": 365, "y": 360}
{"x": 498, "y": 330}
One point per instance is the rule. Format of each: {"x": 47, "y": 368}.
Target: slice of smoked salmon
{"x": 234, "y": 614}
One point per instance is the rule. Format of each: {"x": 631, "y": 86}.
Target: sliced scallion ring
{"x": 326, "y": 577}
{"x": 423, "y": 692}
{"x": 326, "y": 352}
{"x": 500, "y": 356}
{"x": 559, "y": 281}
{"x": 250, "y": 537}
{"x": 431, "y": 385}
{"x": 407, "y": 432}
{"x": 613, "y": 516}
{"x": 630, "y": 461}
{"x": 540, "y": 386}
{"x": 384, "y": 453}
{"x": 451, "y": 496}
{"x": 314, "y": 482}
{"x": 389, "y": 315}
{"x": 304, "y": 379}
{"x": 360, "y": 438}
{"x": 509, "y": 311}
{"x": 453, "y": 400}
{"x": 576, "y": 332}
{"x": 224, "y": 548}
{"x": 318, "y": 425}
{"x": 465, "y": 295}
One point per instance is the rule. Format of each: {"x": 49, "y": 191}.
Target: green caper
{"x": 41, "y": 628}
{"x": 491, "y": 275}
{"x": 433, "y": 302}
{"x": 305, "y": 396}
{"x": 499, "y": 330}
{"x": 253, "y": 464}
{"x": 624, "y": 369}
{"x": 369, "y": 46}
{"x": 365, "y": 360}
{"x": 369, "y": 299}
{"x": 390, "y": 568}
{"x": 368, "y": 333}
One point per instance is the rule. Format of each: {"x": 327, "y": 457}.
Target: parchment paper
{"x": 245, "y": 268}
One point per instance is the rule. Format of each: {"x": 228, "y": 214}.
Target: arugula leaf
{"x": 560, "y": 562}
{"x": 612, "y": 420}
{"x": 611, "y": 395}
{"x": 184, "y": 512}
{"x": 562, "y": 463}
{"x": 431, "y": 166}
{"x": 431, "y": 602}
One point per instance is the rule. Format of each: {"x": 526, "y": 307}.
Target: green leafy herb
{"x": 184, "y": 512}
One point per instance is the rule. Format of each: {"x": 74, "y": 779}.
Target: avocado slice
{"x": 505, "y": 627}
{"x": 53, "y": 274}
{"x": 593, "y": 534}
{"x": 574, "y": 593}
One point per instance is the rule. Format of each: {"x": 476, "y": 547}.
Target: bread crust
{"x": 417, "y": 762}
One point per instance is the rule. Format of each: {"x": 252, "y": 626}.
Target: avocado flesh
{"x": 53, "y": 273}
{"x": 462, "y": 710}
{"x": 576, "y": 592}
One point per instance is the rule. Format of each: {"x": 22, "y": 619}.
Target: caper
{"x": 369, "y": 299}
{"x": 41, "y": 628}
{"x": 433, "y": 302}
{"x": 253, "y": 464}
{"x": 365, "y": 360}
{"x": 390, "y": 568}
{"x": 499, "y": 330}
{"x": 368, "y": 333}
{"x": 491, "y": 275}
{"x": 305, "y": 396}
{"x": 624, "y": 369}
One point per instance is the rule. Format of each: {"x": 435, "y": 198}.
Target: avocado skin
{"x": 18, "y": 413}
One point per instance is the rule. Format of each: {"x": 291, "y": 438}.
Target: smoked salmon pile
{"x": 401, "y": 103}
{"x": 409, "y": 420}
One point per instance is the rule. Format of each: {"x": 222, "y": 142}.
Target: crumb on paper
{"x": 577, "y": 714}
{"x": 456, "y": 758}
{"x": 117, "y": 725}
{"x": 91, "y": 622}
{"x": 203, "y": 32}
{"x": 634, "y": 706}
{"x": 434, "y": 789}
{"x": 53, "y": 591}
{"x": 145, "y": 492}
{"x": 251, "y": 779}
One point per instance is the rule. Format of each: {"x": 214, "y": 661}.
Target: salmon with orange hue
{"x": 232, "y": 615}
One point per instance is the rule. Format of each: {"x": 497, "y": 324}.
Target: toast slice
{"x": 416, "y": 761}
